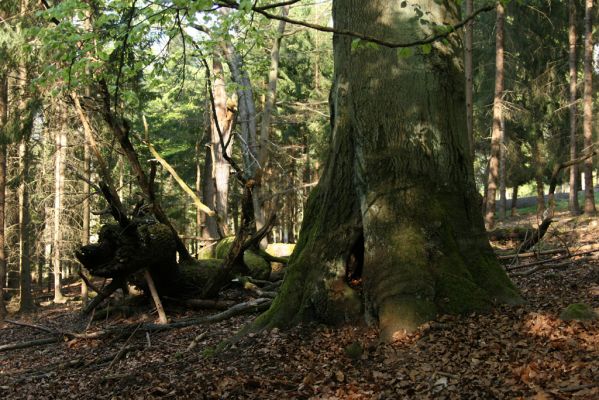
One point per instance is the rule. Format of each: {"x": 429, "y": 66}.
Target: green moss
{"x": 223, "y": 246}
{"x": 488, "y": 274}
{"x": 579, "y": 312}
{"x": 205, "y": 253}
{"x": 258, "y": 266}
{"x": 458, "y": 295}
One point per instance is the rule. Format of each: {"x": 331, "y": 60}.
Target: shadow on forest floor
{"x": 521, "y": 352}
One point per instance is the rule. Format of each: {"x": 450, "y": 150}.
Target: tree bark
{"x": 396, "y": 208}
{"x": 3, "y": 121}
{"x": 587, "y": 124}
{"x": 497, "y": 117}
{"x": 217, "y": 169}
{"x": 24, "y": 228}
{"x": 514, "y": 201}
{"x": 502, "y": 173}
{"x": 59, "y": 169}
{"x": 539, "y": 173}
{"x": 468, "y": 40}
{"x": 573, "y": 205}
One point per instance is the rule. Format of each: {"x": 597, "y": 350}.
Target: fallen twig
{"x": 549, "y": 260}
{"x": 543, "y": 267}
{"x": 532, "y": 254}
{"x": 31, "y": 343}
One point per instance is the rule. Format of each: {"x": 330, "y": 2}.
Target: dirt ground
{"x": 521, "y": 352}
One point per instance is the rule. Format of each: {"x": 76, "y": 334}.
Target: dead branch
{"x": 161, "y": 314}
{"x": 554, "y": 259}
{"x": 544, "y": 267}
{"x": 31, "y": 343}
{"x": 532, "y": 254}
{"x": 102, "y": 295}
{"x": 204, "y": 304}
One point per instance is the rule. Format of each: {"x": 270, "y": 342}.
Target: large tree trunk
{"x": 396, "y": 208}
{"x": 497, "y": 117}
{"x": 587, "y": 124}
{"x": 3, "y": 121}
{"x": 573, "y": 205}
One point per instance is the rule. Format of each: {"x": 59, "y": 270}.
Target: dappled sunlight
{"x": 560, "y": 334}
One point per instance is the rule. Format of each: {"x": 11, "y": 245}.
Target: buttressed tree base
{"x": 393, "y": 233}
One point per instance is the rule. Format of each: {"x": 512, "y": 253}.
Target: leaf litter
{"x": 523, "y": 352}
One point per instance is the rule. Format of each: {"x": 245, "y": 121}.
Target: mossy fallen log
{"x": 124, "y": 253}
{"x": 257, "y": 266}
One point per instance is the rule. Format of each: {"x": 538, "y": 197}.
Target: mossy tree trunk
{"x": 396, "y": 207}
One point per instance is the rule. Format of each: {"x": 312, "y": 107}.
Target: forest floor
{"x": 519, "y": 352}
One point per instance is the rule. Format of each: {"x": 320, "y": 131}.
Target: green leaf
{"x": 426, "y": 48}
{"x": 405, "y": 52}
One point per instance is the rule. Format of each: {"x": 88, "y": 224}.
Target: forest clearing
{"x": 335, "y": 199}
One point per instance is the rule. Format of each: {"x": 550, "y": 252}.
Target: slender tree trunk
{"x": 198, "y": 189}
{"x": 514, "y": 201}
{"x": 587, "y": 124}
{"x": 59, "y": 168}
{"x": 573, "y": 205}
{"x": 502, "y": 173}
{"x": 497, "y": 117}
{"x": 85, "y": 228}
{"x": 269, "y": 104}
{"x": 23, "y": 191}
{"x": 468, "y": 39}
{"x": 24, "y": 228}
{"x": 3, "y": 121}
{"x": 405, "y": 210}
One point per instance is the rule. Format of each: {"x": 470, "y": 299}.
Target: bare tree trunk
{"x": 573, "y": 205}
{"x": 23, "y": 191}
{"x": 497, "y": 117}
{"x": 514, "y": 201}
{"x": 24, "y": 228}
{"x": 86, "y": 210}
{"x": 198, "y": 189}
{"x": 502, "y": 173}
{"x": 587, "y": 124}
{"x": 59, "y": 168}
{"x": 271, "y": 94}
{"x": 468, "y": 71}
{"x": 3, "y": 120}
{"x": 217, "y": 181}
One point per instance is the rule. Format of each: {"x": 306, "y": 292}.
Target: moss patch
{"x": 258, "y": 266}
{"x": 579, "y": 312}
